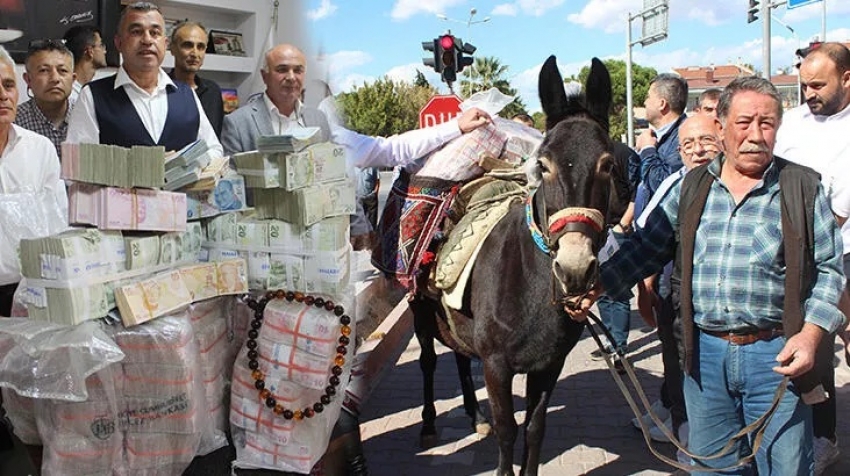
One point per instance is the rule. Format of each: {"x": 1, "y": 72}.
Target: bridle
{"x": 590, "y": 222}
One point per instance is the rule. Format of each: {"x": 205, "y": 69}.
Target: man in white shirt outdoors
{"x": 816, "y": 134}
{"x": 140, "y": 105}
{"x": 89, "y": 52}
{"x": 28, "y": 165}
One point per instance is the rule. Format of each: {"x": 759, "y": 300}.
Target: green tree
{"x": 420, "y": 80}
{"x": 488, "y": 72}
{"x": 641, "y": 77}
{"x": 385, "y": 107}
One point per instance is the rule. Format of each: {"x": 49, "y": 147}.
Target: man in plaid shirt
{"x": 740, "y": 352}
{"x": 49, "y": 76}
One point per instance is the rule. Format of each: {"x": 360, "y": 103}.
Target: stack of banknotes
{"x": 87, "y": 265}
{"x": 138, "y": 166}
{"x": 227, "y": 194}
{"x": 168, "y": 291}
{"x": 201, "y": 179}
{"x": 306, "y": 206}
{"x": 318, "y": 163}
{"x": 112, "y": 208}
{"x": 282, "y": 255}
{"x": 185, "y": 165}
{"x": 296, "y": 140}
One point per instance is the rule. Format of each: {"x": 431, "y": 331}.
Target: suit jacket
{"x": 252, "y": 120}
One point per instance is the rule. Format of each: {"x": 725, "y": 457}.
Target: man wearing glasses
{"x": 89, "y": 51}
{"x": 49, "y": 74}
{"x": 140, "y": 105}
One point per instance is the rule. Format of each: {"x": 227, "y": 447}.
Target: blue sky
{"x": 361, "y": 41}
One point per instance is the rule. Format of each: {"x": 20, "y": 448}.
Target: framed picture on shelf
{"x": 230, "y": 100}
{"x": 226, "y": 43}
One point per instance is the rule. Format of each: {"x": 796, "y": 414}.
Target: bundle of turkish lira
{"x": 111, "y": 165}
{"x": 282, "y": 255}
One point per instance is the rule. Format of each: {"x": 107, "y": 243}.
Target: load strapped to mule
{"x": 447, "y": 209}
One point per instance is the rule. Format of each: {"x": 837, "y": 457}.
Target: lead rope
{"x": 757, "y": 426}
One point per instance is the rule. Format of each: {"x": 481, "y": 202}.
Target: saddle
{"x": 479, "y": 205}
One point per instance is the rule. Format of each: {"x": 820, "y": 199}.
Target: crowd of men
{"x": 756, "y": 292}
{"x": 741, "y": 309}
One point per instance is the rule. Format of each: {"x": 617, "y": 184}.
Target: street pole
{"x": 765, "y": 49}
{"x": 630, "y": 127}
{"x": 823, "y": 21}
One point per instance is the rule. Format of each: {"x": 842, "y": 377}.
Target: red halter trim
{"x": 559, "y": 224}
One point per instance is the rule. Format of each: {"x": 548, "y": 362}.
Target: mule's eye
{"x": 542, "y": 166}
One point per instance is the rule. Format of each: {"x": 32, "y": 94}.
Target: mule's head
{"x": 574, "y": 166}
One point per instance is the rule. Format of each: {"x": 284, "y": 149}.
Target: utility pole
{"x": 654, "y": 16}
{"x": 765, "y": 44}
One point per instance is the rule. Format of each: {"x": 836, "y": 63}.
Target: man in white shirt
{"x": 28, "y": 164}
{"x": 140, "y": 105}
{"x": 816, "y": 134}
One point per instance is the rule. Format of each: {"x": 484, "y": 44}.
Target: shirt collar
{"x": 768, "y": 178}
{"x": 840, "y": 115}
{"x": 163, "y": 81}
{"x": 295, "y": 116}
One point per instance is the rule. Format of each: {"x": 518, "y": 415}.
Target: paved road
{"x": 588, "y": 426}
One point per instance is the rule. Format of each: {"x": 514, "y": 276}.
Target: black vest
{"x": 120, "y": 124}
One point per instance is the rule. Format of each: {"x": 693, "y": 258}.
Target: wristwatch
{"x": 627, "y": 228}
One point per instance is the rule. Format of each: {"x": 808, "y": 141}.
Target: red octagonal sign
{"x": 439, "y": 109}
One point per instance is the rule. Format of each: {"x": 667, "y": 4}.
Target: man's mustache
{"x": 753, "y": 148}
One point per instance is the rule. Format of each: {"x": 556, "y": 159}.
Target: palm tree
{"x": 486, "y": 73}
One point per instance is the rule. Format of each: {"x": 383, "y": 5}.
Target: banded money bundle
{"x": 201, "y": 178}
{"x": 73, "y": 254}
{"x": 282, "y": 255}
{"x": 185, "y": 165}
{"x": 112, "y": 208}
{"x": 137, "y": 166}
{"x": 166, "y": 292}
{"x": 228, "y": 194}
{"x": 296, "y": 140}
{"x": 318, "y": 163}
{"x": 306, "y": 206}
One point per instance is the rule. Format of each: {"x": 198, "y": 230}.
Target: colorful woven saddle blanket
{"x": 487, "y": 201}
{"x": 413, "y": 215}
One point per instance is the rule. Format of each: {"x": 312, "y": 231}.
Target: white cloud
{"x": 525, "y": 82}
{"x": 326, "y": 9}
{"x": 343, "y": 61}
{"x": 349, "y": 82}
{"x": 505, "y": 9}
{"x": 404, "y": 9}
{"x": 407, "y": 73}
{"x": 608, "y": 15}
{"x": 533, "y": 8}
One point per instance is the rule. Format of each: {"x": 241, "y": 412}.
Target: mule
{"x": 513, "y": 315}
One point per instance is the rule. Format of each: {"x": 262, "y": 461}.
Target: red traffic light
{"x": 447, "y": 42}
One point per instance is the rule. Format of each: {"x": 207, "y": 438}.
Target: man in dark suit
{"x": 277, "y": 111}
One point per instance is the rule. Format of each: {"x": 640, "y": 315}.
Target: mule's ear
{"x": 550, "y": 86}
{"x": 598, "y": 92}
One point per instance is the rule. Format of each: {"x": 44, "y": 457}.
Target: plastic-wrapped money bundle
{"x": 138, "y": 166}
{"x": 308, "y": 205}
{"x": 297, "y": 371}
{"x": 112, "y": 208}
{"x": 84, "y": 437}
{"x": 226, "y": 195}
{"x": 211, "y": 333}
{"x": 458, "y": 160}
{"x": 316, "y": 164}
{"x": 21, "y": 413}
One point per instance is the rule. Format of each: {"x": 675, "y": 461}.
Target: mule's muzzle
{"x": 575, "y": 266}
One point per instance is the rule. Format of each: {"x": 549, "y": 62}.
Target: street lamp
{"x": 794, "y": 33}
{"x": 468, "y": 22}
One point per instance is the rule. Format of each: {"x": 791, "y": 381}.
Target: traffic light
{"x": 448, "y": 58}
{"x": 466, "y": 49}
{"x": 435, "y": 61}
{"x": 752, "y": 13}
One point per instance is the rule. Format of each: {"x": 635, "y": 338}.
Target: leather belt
{"x": 746, "y": 337}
